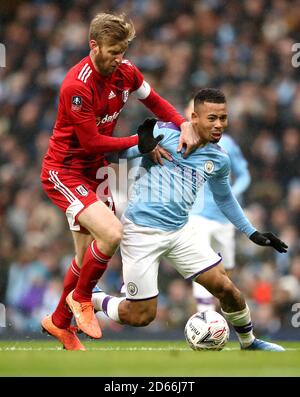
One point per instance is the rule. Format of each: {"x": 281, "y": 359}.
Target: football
{"x": 206, "y": 331}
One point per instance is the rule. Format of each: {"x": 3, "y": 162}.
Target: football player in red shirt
{"x": 92, "y": 96}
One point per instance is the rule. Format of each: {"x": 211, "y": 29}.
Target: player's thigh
{"x": 223, "y": 242}
{"x": 81, "y": 242}
{"x": 189, "y": 255}
{"x": 101, "y": 222}
{"x": 141, "y": 250}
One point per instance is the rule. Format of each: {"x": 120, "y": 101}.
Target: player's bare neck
{"x": 202, "y": 144}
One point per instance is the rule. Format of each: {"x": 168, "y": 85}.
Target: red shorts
{"x": 72, "y": 193}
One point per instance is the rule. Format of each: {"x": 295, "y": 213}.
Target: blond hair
{"x": 111, "y": 28}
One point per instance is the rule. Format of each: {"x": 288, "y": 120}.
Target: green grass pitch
{"x": 143, "y": 358}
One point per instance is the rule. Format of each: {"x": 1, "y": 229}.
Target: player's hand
{"x": 158, "y": 154}
{"x": 147, "y": 142}
{"x": 188, "y": 139}
{"x": 268, "y": 239}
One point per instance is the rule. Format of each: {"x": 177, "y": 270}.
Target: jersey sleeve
{"x": 78, "y": 104}
{"x": 79, "y": 109}
{"x": 220, "y": 187}
{"x": 239, "y": 167}
{"x": 133, "y": 152}
{"x": 93, "y": 142}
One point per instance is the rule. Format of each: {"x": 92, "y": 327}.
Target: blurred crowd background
{"x": 244, "y": 48}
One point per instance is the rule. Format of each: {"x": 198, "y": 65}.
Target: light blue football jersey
{"x": 162, "y": 196}
{"x": 205, "y": 205}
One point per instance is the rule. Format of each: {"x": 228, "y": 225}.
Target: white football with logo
{"x": 207, "y": 331}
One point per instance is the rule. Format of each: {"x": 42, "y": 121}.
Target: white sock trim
{"x": 241, "y": 317}
{"x": 97, "y": 299}
{"x": 239, "y": 320}
{"x": 112, "y": 310}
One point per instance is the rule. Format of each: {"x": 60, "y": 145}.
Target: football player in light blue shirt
{"x": 156, "y": 224}
{"x": 213, "y": 226}
{"x": 163, "y": 196}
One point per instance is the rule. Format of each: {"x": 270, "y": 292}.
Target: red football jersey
{"x": 85, "y": 95}
{"x": 95, "y": 101}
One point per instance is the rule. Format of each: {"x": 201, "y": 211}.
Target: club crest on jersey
{"x": 76, "y": 103}
{"x": 125, "y": 95}
{"x": 209, "y": 166}
{"x": 132, "y": 288}
{"x": 82, "y": 190}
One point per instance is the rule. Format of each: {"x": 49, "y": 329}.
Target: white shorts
{"x": 143, "y": 247}
{"x": 220, "y": 236}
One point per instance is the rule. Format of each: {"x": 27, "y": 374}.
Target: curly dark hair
{"x": 211, "y": 95}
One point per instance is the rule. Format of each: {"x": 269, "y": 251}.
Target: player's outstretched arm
{"x": 239, "y": 168}
{"x": 268, "y": 239}
{"x": 147, "y": 141}
{"x": 230, "y": 207}
{"x": 145, "y": 130}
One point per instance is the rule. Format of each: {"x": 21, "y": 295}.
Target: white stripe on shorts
{"x": 58, "y": 185}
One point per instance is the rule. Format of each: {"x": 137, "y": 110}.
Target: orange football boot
{"x": 84, "y": 316}
{"x": 66, "y": 336}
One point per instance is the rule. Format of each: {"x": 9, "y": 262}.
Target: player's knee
{"x": 79, "y": 258}
{"x": 113, "y": 237}
{"x": 117, "y": 235}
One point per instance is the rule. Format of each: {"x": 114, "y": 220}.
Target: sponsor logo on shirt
{"x": 82, "y": 190}
{"x": 108, "y": 118}
{"x": 76, "y": 103}
{"x": 111, "y": 95}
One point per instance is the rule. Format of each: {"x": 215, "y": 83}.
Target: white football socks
{"x": 97, "y": 299}
{"x": 108, "y": 304}
{"x": 241, "y": 322}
